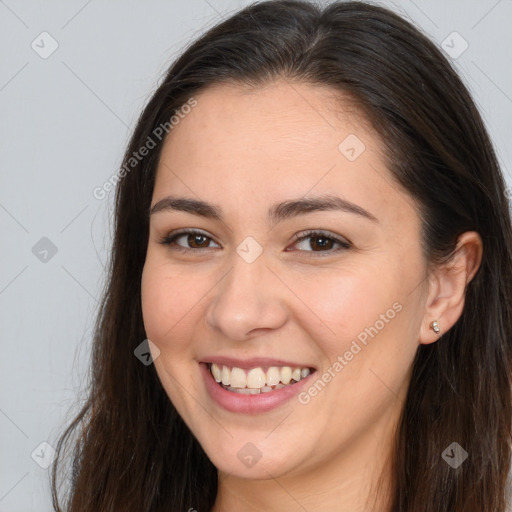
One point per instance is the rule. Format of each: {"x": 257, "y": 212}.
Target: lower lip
{"x": 249, "y": 404}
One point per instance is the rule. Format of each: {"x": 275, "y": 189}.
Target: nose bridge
{"x": 248, "y": 296}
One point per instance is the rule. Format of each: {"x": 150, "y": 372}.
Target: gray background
{"x": 64, "y": 123}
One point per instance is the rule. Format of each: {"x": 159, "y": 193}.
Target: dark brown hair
{"x": 131, "y": 451}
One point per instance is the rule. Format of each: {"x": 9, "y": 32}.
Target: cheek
{"x": 168, "y": 314}
{"x": 367, "y": 332}
{"x": 167, "y": 304}
{"x": 346, "y": 301}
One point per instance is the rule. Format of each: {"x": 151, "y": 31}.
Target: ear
{"x": 447, "y": 287}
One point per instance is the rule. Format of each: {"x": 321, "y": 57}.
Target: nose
{"x": 248, "y": 299}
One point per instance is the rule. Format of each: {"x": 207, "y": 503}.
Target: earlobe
{"x": 435, "y": 327}
{"x": 447, "y": 288}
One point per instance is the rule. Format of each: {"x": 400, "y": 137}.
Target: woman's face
{"x": 267, "y": 302}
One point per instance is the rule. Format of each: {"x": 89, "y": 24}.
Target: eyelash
{"x": 344, "y": 244}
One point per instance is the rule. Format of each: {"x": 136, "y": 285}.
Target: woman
{"x": 308, "y": 306}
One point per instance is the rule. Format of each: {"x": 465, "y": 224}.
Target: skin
{"x": 243, "y": 150}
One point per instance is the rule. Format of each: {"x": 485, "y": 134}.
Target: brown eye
{"x": 321, "y": 242}
{"x": 197, "y": 241}
{"x": 190, "y": 240}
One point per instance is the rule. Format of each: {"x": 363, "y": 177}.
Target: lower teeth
{"x": 256, "y": 391}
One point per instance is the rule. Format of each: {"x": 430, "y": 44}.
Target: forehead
{"x": 262, "y": 123}
{"x": 282, "y": 140}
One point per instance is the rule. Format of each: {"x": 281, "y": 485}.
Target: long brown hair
{"x": 129, "y": 450}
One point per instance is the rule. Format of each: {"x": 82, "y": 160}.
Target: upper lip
{"x": 253, "y": 362}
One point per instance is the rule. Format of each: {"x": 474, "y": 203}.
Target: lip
{"x": 249, "y": 404}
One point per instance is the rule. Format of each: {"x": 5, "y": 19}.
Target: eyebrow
{"x": 276, "y": 213}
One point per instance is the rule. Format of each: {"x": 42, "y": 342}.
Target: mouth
{"x": 257, "y": 380}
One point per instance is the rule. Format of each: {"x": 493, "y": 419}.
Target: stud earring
{"x": 435, "y": 327}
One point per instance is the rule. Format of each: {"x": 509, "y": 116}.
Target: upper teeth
{"x": 256, "y": 378}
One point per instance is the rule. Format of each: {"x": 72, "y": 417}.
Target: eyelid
{"x": 298, "y": 237}
{"x": 173, "y": 235}
{"x": 319, "y": 233}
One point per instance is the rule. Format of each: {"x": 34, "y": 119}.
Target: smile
{"x": 255, "y": 381}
